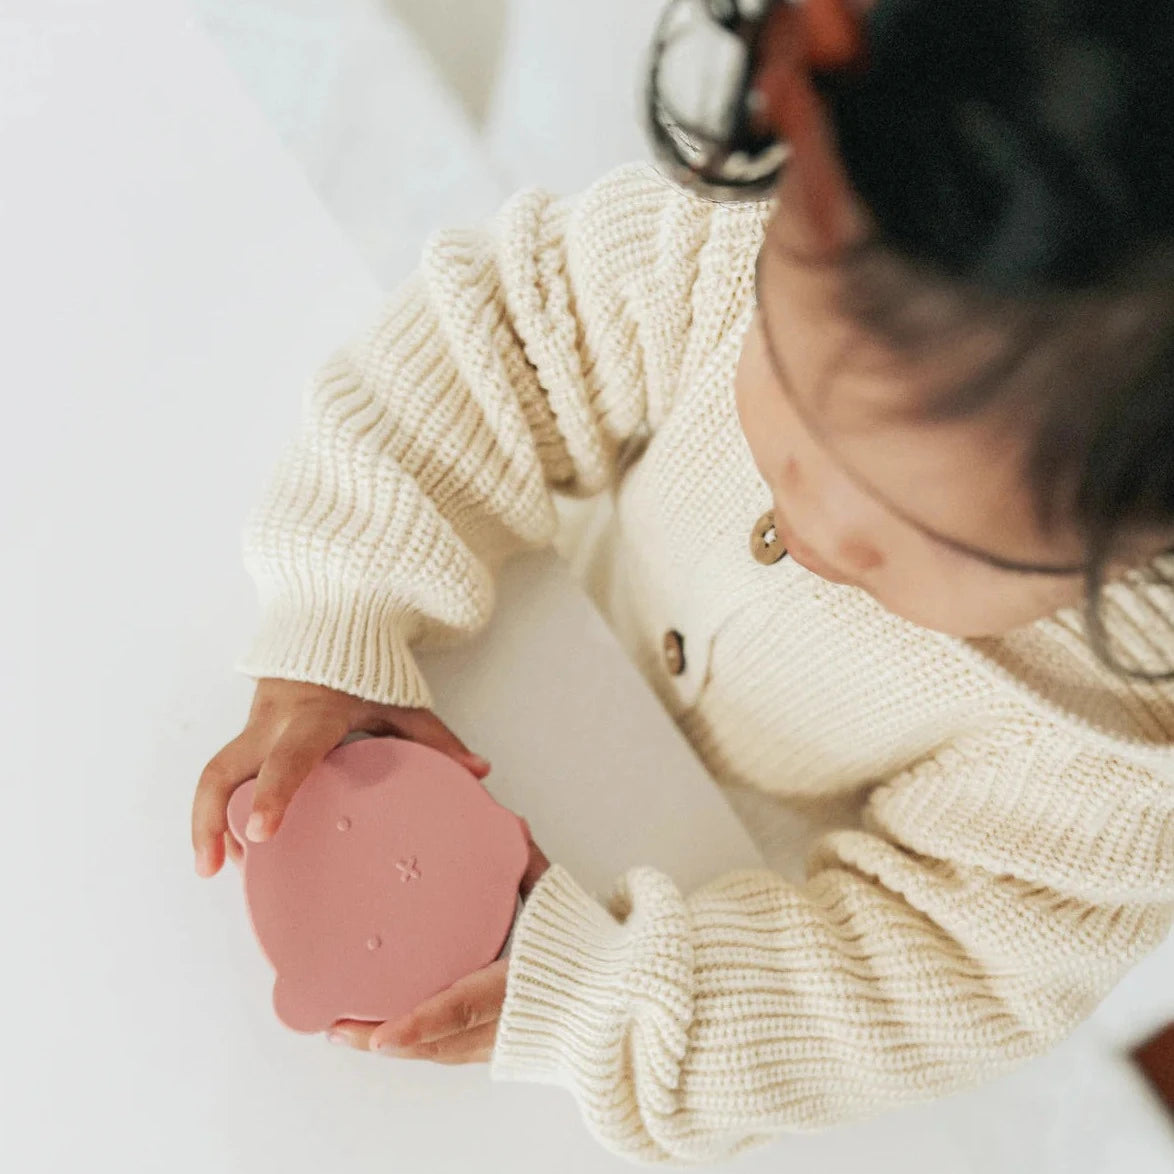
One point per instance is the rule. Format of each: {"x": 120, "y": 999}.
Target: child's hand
{"x": 291, "y": 728}
{"x": 457, "y": 1026}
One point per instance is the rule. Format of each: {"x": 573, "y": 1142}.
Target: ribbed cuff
{"x": 332, "y": 639}
{"x": 564, "y": 1012}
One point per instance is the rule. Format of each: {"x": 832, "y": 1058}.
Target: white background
{"x": 167, "y": 282}
{"x": 408, "y": 115}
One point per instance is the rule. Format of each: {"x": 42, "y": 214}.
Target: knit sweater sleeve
{"x": 992, "y": 896}
{"x": 515, "y": 363}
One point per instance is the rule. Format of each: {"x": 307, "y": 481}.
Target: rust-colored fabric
{"x": 1156, "y": 1060}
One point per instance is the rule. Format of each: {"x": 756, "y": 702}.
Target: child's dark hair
{"x": 1020, "y": 144}
{"x": 1017, "y": 160}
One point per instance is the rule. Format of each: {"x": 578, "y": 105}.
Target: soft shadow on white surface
{"x": 384, "y": 141}
{"x": 568, "y": 103}
{"x": 464, "y": 41}
{"x": 414, "y": 115}
{"x": 580, "y": 744}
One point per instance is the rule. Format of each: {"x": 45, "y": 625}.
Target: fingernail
{"x": 204, "y": 863}
{"x": 255, "y": 828}
{"x": 479, "y": 763}
{"x": 336, "y": 1037}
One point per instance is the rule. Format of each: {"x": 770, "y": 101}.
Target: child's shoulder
{"x": 644, "y": 185}
{"x": 636, "y": 225}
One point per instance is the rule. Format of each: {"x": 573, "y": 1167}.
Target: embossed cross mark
{"x": 408, "y": 870}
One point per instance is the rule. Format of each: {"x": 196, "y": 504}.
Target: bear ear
{"x": 239, "y": 808}
{"x": 301, "y": 1009}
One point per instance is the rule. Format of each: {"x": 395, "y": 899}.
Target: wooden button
{"x": 674, "y": 652}
{"x": 765, "y": 543}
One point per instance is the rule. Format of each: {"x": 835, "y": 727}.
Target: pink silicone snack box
{"x": 394, "y": 874}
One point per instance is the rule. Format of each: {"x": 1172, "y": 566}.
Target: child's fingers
{"x": 232, "y": 849}
{"x": 466, "y": 1047}
{"x": 352, "y": 1032}
{"x": 423, "y": 726}
{"x": 238, "y": 761}
{"x": 301, "y": 748}
{"x": 469, "y": 1003}
{"x": 536, "y": 869}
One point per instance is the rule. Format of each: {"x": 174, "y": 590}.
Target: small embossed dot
{"x": 374, "y": 943}
{"x": 344, "y": 824}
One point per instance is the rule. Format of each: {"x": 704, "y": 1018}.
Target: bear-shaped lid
{"x": 393, "y": 875}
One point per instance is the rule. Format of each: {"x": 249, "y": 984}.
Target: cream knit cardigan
{"x": 1015, "y": 850}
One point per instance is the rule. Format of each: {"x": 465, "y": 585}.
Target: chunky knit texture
{"x": 1013, "y": 853}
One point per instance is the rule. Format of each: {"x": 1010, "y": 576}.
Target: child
{"x": 896, "y": 540}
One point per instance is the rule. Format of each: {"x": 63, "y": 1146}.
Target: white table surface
{"x": 171, "y": 282}
{"x": 168, "y": 282}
